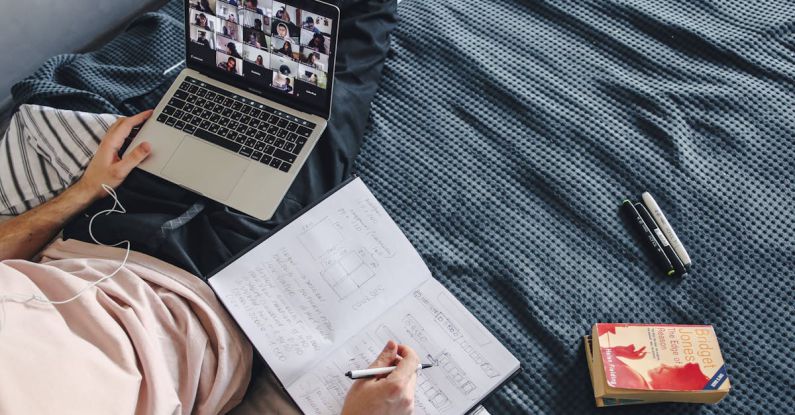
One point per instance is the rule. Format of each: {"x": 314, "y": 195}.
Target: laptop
{"x": 243, "y": 116}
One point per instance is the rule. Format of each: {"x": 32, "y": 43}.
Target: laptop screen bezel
{"x": 323, "y": 109}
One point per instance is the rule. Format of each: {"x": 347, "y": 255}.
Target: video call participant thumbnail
{"x": 255, "y": 38}
{"x": 205, "y": 21}
{"x": 250, "y": 19}
{"x": 317, "y": 60}
{"x": 315, "y": 23}
{"x": 256, "y": 65}
{"x": 202, "y": 37}
{"x": 283, "y": 83}
{"x": 312, "y": 76}
{"x": 286, "y": 48}
{"x": 284, "y": 65}
{"x": 231, "y": 30}
{"x": 253, "y": 5}
{"x": 229, "y": 64}
{"x": 206, "y": 6}
{"x": 316, "y": 41}
{"x": 256, "y": 56}
{"x": 285, "y": 13}
{"x": 285, "y": 31}
{"x": 228, "y": 46}
{"x": 226, "y": 11}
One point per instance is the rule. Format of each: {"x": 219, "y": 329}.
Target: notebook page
{"x": 469, "y": 361}
{"x": 319, "y": 280}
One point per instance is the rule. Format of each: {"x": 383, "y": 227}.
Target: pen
{"x": 679, "y": 267}
{"x": 376, "y": 371}
{"x": 666, "y": 228}
{"x": 646, "y": 234}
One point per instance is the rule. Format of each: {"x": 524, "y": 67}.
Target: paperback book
{"x": 645, "y": 363}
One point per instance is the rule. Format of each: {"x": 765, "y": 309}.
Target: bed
{"x": 504, "y": 136}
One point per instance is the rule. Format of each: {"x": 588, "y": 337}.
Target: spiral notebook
{"x": 323, "y": 294}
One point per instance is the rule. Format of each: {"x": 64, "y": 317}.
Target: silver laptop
{"x": 241, "y": 119}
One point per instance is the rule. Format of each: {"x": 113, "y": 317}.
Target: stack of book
{"x": 647, "y": 363}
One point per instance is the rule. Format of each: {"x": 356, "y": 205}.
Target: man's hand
{"x": 392, "y": 394}
{"x": 106, "y": 167}
{"x": 24, "y": 235}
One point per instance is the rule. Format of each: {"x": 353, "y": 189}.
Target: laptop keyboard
{"x": 250, "y": 129}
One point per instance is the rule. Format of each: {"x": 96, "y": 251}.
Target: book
{"x": 645, "y": 363}
{"x": 323, "y": 294}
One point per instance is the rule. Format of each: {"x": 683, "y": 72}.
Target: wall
{"x": 31, "y": 31}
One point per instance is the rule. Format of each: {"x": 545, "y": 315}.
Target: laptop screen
{"x": 281, "y": 50}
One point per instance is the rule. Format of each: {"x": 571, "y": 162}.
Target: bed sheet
{"x": 506, "y": 134}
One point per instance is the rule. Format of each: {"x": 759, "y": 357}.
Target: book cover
{"x": 661, "y": 357}
{"x": 603, "y": 401}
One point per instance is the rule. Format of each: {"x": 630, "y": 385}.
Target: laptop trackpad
{"x": 205, "y": 168}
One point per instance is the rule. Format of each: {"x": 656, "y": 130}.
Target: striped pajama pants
{"x": 44, "y": 151}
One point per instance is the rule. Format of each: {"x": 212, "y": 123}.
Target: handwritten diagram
{"x": 452, "y": 329}
{"x": 345, "y": 267}
{"x": 432, "y": 393}
{"x": 321, "y": 238}
{"x": 454, "y": 373}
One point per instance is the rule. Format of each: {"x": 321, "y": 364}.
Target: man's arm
{"x": 25, "y": 235}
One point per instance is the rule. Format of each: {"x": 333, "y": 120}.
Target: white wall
{"x": 31, "y": 31}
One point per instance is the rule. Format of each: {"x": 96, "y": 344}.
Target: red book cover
{"x": 665, "y": 357}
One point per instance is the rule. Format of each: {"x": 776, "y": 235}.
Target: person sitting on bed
{"x": 130, "y": 333}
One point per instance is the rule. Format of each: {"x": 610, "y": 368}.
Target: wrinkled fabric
{"x": 127, "y": 76}
{"x": 151, "y": 340}
{"x": 46, "y": 150}
{"x": 507, "y": 133}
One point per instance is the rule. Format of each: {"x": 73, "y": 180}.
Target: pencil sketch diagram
{"x": 479, "y": 334}
{"x": 320, "y": 238}
{"x": 326, "y": 391}
{"x": 432, "y": 393}
{"x": 453, "y": 372}
{"x": 451, "y": 328}
{"x": 440, "y": 317}
{"x": 487, "y": 367}
{"x": 418, "y": 333}
{"x": 344, "y": 269}
{"x": 385, "y": 334}
{"x": 348, "y": 272}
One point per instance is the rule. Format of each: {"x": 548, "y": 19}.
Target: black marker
{"x": 662, "y": 241}
{"x": 648, "y": 236}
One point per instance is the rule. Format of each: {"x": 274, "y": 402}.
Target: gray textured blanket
{"x": 507, "y": 133}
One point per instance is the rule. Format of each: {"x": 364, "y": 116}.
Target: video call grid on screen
{"x": 265, "y": 41}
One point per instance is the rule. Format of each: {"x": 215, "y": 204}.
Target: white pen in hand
{"x": 378, "y": 371}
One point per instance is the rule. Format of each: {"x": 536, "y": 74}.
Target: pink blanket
{"x": 151, "y": 340}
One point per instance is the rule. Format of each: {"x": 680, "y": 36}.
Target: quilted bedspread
{"x": 506, "y": 134}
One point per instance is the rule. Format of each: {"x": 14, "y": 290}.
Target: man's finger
{"x": 120, "y": 130}
{"x": 134, "y": 158}
{"x": 136, "y": 119}
{"x": 387, "y": 355}
{"x": 407, "y": 366}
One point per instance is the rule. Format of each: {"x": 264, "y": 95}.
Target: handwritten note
{"x": 468, "y": 361}
{"x": 324, "y": 294}
{"x": 318, "y": 281}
